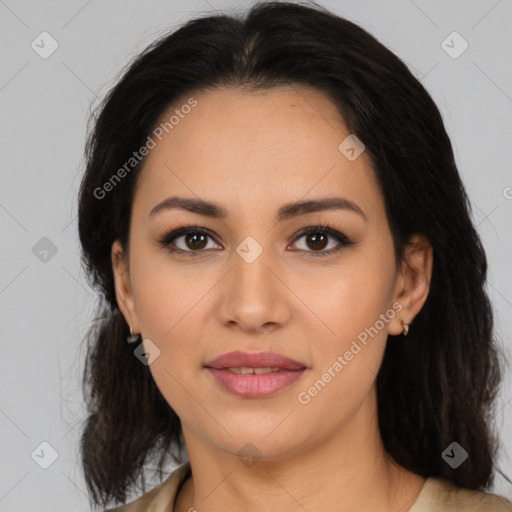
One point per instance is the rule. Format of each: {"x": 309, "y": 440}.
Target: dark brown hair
{"x": 434, "y": 387}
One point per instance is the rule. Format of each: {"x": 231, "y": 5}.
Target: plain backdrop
{"x": 46, "y": 305}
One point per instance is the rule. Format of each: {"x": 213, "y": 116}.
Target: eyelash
{"x": 318, "y": 230}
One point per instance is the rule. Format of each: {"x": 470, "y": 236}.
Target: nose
{"x": 254, "y": 295}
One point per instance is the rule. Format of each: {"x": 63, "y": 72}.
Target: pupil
{"x": 316, "y": 238}
{"x": 194, "y": 238}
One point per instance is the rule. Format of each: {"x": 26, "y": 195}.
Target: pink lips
{"x": 253, "y": 385}
{"x": 254, "y": 360}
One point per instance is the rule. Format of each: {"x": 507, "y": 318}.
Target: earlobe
{"x": 122, "y": 285}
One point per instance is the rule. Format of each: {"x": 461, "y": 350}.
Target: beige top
{"x": 436, "y": 495}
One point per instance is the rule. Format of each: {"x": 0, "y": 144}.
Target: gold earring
{"x": 406, "y": 327}
{"x": 133, "y": 338}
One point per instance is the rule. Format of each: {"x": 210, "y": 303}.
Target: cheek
{"x": 356, "y": 308}
{"x": 166, "y": 311}
{"x": 351, "y": 300}
{"x": 344, "y": 373}
{"x": 166, "y": 294}
{"x": 170, "y": 304}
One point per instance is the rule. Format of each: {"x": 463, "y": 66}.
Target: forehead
{"x": 245, "y": 149}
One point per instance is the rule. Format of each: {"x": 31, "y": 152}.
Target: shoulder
{"x": 161, "y": 498}
{"x": 439, "y": 494}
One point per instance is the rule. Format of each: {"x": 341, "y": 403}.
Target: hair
{"x": 434, "y": 387}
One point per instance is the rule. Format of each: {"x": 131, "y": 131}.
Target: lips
{"x": 255, "y": 375}
{"x": 247, "y": 360}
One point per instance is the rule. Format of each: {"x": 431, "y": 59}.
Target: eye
{"x": 317, "y": 237}
{"x": 191, "y": 239}
{"x": 194, "y": 240}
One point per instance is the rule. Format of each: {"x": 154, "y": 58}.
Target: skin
{"x": 251, "y": 152}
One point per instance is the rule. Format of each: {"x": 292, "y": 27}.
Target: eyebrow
{"x": 286, "y": 212}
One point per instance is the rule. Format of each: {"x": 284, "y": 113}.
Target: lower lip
{"x": 255, "y": 386}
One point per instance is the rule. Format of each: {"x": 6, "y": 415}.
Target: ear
{"x": 413, "y": 281}
{"x": 124, "y": 294}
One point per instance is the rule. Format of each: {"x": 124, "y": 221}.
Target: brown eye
{"x": 316, "y": 239}
{"x": 192, "y": 240}
{"x": 195, "y": 240}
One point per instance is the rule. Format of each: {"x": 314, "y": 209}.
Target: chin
{"x": 253, "y": 444}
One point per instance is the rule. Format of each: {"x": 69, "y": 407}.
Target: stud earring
{"x": 133, "y": 338}
{"x": 405, "y": 326}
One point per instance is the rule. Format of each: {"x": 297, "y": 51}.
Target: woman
{"x": 293, "y": 287}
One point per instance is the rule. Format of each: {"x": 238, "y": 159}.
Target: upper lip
{"x": 254, "y": 360}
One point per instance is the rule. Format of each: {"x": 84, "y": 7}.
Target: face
{"x": 263, "y": 276}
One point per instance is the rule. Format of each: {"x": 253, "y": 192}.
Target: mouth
{"x": 254, "y": 362}
{"x": 254, "y": 375}
{"x": 246, "y": 370}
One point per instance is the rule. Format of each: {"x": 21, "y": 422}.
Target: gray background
{"x": 46, "y": 306}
